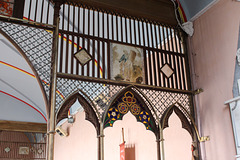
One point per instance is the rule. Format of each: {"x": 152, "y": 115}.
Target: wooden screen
{"x": 96, "y": 30}
{"x": 164, "y": 55}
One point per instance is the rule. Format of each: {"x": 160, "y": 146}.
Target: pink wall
{"x": 81, "y": 142}
{"x": 135, "y": 135}
{"x": 140, "y": 143}
{"x": 177, "y": 141}
{"x": 214, "y": 46}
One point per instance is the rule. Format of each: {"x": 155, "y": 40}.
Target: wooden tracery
{"x": 91, "y": 115}
{"x": 129, "y": 101}
{"x": 184, "y": 120}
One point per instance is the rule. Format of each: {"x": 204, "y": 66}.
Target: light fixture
{"x": 70, "y": 119}
{"x": 61, "y": 131}
{"x": 83, "y": 56}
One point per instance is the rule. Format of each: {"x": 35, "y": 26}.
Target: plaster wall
{"x": 81, "y": 142}
{"x": 136, "y": 136}
{"x": 177, "y": 141}
{"x": 140, "y": 143}
{"x": 213, "y": 48}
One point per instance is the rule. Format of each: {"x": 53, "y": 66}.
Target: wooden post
{"x": 158, "y": 147}
{"x": 101, "y": 143}
{"x": 53, "y": 86}
{"x": 122, "y": 147}
{"x": 123, "y": 135}
{"x": 162, "y": 145}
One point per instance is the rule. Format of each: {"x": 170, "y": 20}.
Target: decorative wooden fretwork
{"x": 166, "y": 78}
{"x": 102, "y": 95}
{"x": 22, "y": 145}
{"x": 164, "y": 55}
{"x": 129, "y": 101}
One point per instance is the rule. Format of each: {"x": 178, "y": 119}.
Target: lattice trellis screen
{"x": 160, "y": 100}
{"x": 93, "y": 90}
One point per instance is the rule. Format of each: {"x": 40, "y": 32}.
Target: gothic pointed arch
{"x": 184, "y": 120}
{"x": 126, "y": 101}
{"x": 91, "y": 115}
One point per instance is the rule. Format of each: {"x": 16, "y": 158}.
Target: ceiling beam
{"x": 23, "y": 126}
{"x": 154, "y": 10}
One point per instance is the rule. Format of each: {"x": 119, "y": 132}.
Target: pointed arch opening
{"x": 178, "y": 133}
{"x": 177, "y": 140}
{"x": 90, "y": 113}
{"x": 130, "y": 107}
{"x": 129, "y": 101}
{"x": 184, "y": 120}
{"x": 82, "y": 133}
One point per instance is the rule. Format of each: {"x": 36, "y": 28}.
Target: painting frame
{"x": 127, "y": 63}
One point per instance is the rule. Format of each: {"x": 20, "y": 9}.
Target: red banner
{"x": 122, "y": 151}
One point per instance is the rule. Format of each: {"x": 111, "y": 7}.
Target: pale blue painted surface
{"x": 192, "y": 7}
{"x": 237, "y": 73}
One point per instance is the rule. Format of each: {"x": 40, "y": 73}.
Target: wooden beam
{"x": 122, "y": 83}
{"x": 23, "y": 126}
{"x": 154, "y": 10}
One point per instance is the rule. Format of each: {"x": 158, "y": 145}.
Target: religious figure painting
{"x": 127, "y": 63}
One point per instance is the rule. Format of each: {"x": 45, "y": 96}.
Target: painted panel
{"x": 127, "y": 63}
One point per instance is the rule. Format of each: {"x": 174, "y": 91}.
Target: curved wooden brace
{"x": 185, "y": 123}
{"x": 31, "y": 66}
{"x": 200, "y": 139}
{"x": 89, "y": 111}
{"x": 149, "y": 101}
{"x": 112, "y": 101}
{"x": 62, "y": 111}
{"x": 91, "y": 103}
